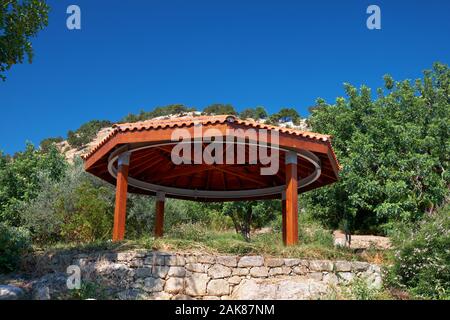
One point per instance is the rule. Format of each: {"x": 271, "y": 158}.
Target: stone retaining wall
{"x": 160, "y": 275}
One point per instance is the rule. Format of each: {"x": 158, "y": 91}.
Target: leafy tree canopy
{"x": 285, "y": 115}
{"x": 218, "y": 108}
{"x": 394, "y": 151}
{"x": 254, "y": 113}
{"x": 19, "y": 178}
{"x": 19, "y": 21}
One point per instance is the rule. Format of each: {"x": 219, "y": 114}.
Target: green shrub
{"x": 89, "y": 290}
{"x": 87, "y": 215}
{"x": 422, "y": 257}
{"x": 190, "y": 231}
{"x": 13, "y": 243}
{"x": 86, "y": 133}
{"x": 393, "y": 149}
{"x": 78, "y": 207}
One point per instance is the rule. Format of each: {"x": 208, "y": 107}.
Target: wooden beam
{"x": 291, "y": 200}
{"x": 283, "y": 216}
{"x": 159, "y": 216}
{"x": 120, "y": 209}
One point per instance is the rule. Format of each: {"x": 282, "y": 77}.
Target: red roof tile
{"x": 204, "y": 120}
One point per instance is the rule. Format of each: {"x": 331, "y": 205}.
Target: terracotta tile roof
{"x": 204, "y": 120}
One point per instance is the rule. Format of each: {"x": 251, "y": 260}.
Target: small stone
{"x": 321, "y": 265}
{"x": 175, "y": 260}
{"x": 160, "y": 296}
{"x": 315, "y": 276}
{"x": 159, "y": 259}
{"x": 280, "y": 271}
{"x": 148, "y": 260}
{"x": 153, "y": 284}
{"x": 9, "y": 292}
{"x": 240, "y": 271}
{"x": 206, "y": 259}
{"x": 374, "y": 281}
{"x": 191, "y": 259}
{"x": 143, "y": 272}
{"x": 136, "y": 263}
{"x": 274, "y": 262}
{"x": 330, "y": 278}
{"x": 108, "y": 256}
{"x": 259, "y": 272}
{"x": 360, "y": 266}
{"x": 291, "y": 262}
{"x": 373, "y": 268}
{"x": 229, "y": 261}
{"x": 234, "y": 280}
{"x": 251, "y": 261}
{"x": 125, "y": 256}
{"x": 160, "y": 271}
{"x": 140, "y": 253}
{"x": 176, "y": 272}
{"x": 345, "y": 277}
{"x": 301, "y": 270}
{"x": 131, "y": 294}
{"x": 174, "y": 285}
{"x": 196, "y": 284}
{"x": 219, "y": 271}
{"x": 196, "y": 267}
{"x": 343, "y": 266}
{"x": 275, "y": 271}
{"x": 218, "y": 287}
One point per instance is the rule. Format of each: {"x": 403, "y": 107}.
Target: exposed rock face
{"x": 160, "y": 275}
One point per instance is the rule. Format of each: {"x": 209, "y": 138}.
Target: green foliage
{"x": 87, "y": 215}
{"x": 422, "y": 256}
{"x": 86, "y": 133}
{"x": 171, "y": 109}
{"x": 14, "y": 242}
{"x": 202, "y": 237}
{"x": 246, "y": 214}
{"x": 19, "y": 21}
{"x": 19, "y": 178}
{"x": 254, "y": 113}
{"x": 218, "y": 108}
{"x": 358, "y": 289}
{"x": 394, "y": 152}
{"x": 48, "y": 143}
{"x": 89, "y": 290}
{"x": 76, "y": 208}
{"x": 284, "y": 115}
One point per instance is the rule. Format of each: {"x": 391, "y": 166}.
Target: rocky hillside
{"x": 71, "y": 153}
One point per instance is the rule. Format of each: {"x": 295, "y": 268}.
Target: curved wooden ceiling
{"x": 154, "y": 164}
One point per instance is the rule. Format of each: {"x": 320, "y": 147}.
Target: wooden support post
{"x": 159, "y": 216}
{"x": 291, "y": 199}
{"x": 283, "y": 215}
{"x": 120, "y": 209}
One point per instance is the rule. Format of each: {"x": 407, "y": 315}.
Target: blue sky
{"x": 136, "y": 54}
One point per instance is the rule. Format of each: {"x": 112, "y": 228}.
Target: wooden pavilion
{"x": 138, "y": 158}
